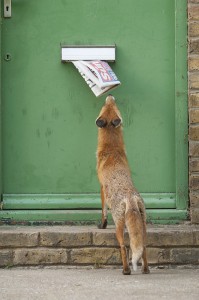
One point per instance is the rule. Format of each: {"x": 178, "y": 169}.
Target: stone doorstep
{"x": 87, "y": 245}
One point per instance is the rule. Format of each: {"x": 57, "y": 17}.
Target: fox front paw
{"x": 103, "y": 225}
{"x": 127, "y": 272}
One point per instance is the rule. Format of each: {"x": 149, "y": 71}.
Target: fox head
{"x": 109, "y": 116}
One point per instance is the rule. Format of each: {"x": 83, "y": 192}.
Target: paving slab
{"x": 61, "y": 283}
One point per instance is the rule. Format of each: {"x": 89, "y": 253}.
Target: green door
{"x": 49, "y": 135}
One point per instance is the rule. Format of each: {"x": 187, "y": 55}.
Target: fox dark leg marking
{"x": 104, "y": 222}
{"x": 145, "y": 268}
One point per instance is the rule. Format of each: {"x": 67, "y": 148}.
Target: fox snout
{"x": 110, "y": 99}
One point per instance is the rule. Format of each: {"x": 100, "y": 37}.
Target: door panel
{"x": 49, "y": 132}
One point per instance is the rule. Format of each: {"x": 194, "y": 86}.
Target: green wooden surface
{"x": 49, "y": 133}
{"x": 62, "y": 201}
{"x": 1, "y": 189}
{"x": 181, "y": 106}
{"x": 93, "y": 216}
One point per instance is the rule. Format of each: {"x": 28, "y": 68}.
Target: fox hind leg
{"x": 120, "y": 238}
{"x": 145, "y": 268}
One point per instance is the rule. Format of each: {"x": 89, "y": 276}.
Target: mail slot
{"x": 88, "y": 52}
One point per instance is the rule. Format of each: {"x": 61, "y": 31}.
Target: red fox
{"x": 117, "y": 189}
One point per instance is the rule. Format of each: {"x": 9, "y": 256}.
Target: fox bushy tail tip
{"x": 136, "y": 257}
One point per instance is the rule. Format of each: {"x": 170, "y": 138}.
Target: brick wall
{"x": 193, "y": 72}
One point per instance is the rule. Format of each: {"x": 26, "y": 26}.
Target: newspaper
{"x": 98, "y": 75}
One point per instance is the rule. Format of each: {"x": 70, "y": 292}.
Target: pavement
{"x": 57, "y": 283}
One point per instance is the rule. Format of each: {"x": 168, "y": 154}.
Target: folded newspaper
{"x": 98, "y": 75}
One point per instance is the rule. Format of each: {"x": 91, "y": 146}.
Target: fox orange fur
{"x": 117, "y": 189}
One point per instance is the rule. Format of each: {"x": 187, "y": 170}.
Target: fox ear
{"x": 116, "y": 122}
{"x": 101, "y": 123}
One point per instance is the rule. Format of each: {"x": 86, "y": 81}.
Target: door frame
{"x": 181, "y": 106}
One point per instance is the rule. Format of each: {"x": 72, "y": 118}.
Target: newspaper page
{"x": 98, "y": 75}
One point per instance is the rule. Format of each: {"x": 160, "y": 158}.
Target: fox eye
{"x": 101, "y": 123}
{"x": 116, "y": 122}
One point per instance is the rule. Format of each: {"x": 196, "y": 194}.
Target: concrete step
{"x": 87, "y": 245}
